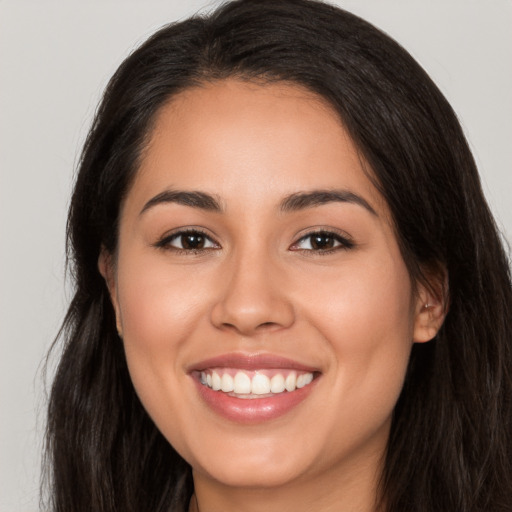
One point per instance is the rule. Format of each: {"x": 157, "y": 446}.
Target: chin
{"x": 236, "y": 473}
{"x": 252, "y": 459}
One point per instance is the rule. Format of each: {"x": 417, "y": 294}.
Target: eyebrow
{"x": 195, "y": 199}
{"x": 291, "y": 203}
{"x": 303, "y": 200}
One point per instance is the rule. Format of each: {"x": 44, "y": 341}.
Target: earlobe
{"x": 107, "y": 270}
{"x": 431, "y": 309}
{"x": 428, "y": 321}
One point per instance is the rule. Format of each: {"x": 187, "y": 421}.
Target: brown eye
{"x": 322, "y": 241}
{"x": 189, "y": 240}
{"x": 192, "y": 241}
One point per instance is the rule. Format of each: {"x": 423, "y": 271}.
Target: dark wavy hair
{"x": 450, "y": 447}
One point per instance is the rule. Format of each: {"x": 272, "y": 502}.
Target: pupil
{"x": 192, "y": 241}
{"x": 322, "y": 242}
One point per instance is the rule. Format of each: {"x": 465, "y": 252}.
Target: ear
{"x": 431, "y": 307}
{"x": 106, "y": 266}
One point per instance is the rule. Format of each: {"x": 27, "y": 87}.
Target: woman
{"x": 290, "y": 293}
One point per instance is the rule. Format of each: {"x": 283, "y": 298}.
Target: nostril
{"x": 264, "y": 326}
{"x": 267, "y": 324}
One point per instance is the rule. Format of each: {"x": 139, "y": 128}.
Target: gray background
{"x": 55, "y": 59}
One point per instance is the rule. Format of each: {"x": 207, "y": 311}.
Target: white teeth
{"x": 290, "y": 382}
{"x": 260, "y": 384}
{"x": 227, "y": 384}
{"x": 242, "y": 384}
{"x": 216, "y": 382}
{"x": 304, "y": 380}
{"x": 277, "y": 384}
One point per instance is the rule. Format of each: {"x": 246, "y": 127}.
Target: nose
{"x": 253, "y": 297}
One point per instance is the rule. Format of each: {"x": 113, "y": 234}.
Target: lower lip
{"x": 255, "y": 410}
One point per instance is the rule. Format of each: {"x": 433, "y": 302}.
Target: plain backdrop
{"x": 55, "y": 59}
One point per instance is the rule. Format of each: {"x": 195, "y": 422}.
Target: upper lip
{"x": 250, "y": 362}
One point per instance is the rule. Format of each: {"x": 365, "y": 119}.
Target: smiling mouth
{"x": 254, "y": 384}
{"x": 253, "y": 388}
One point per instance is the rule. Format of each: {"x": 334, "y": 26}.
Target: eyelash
{"x": 344, "y": 243}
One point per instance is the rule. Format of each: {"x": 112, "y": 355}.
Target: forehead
{"x": 240, "y": 139}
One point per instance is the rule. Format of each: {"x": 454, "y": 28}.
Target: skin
{"x": 259, "y": 287}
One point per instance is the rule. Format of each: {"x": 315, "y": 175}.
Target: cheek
{"x": 365, "y": 318}
{"x": 158, "y": 304}
{"x": 368, "y": 306}
{"x": 159, "y": 309}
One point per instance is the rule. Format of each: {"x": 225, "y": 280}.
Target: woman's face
{"x": 255, "y": 256}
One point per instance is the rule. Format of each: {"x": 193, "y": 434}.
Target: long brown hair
{"x": 450, "y": 447}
